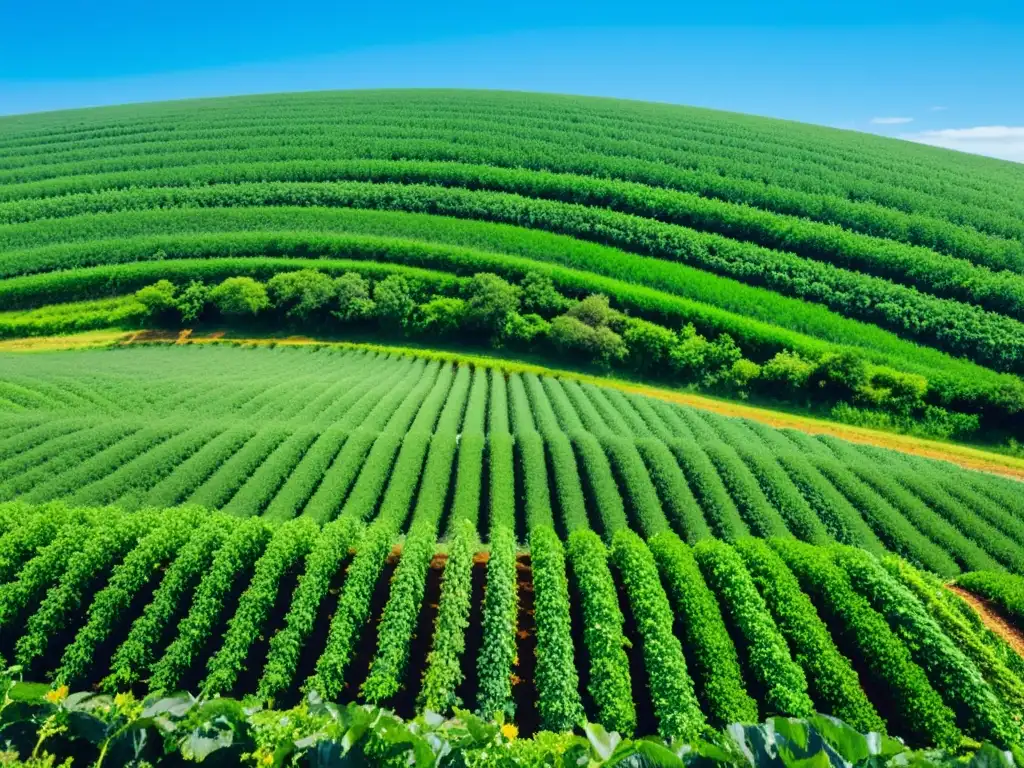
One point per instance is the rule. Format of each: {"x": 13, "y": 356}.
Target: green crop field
{"x": 405, "y": 523}
{"x": 877, "y": 281}
{"x": 650, "y": 567}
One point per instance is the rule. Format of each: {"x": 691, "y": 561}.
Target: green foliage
{"x": 671, "y": 688}
{"x": 301, "y": 293}
{"x": 950, "y": 671}
{"x": 609, "y": 682}
{"x": 782, "y": 681}
{"x": 918, "y": 710}
{"x": 158, "y": 297}
{"x": 240, "y": 296}
{"x": 353, "y": 294}
{"x": 557, "y": 682}
{"x": 833, "y": 683}
{"x": 393, "y": 302}
{"x": 498, "y": 649}
{"x": 716, "y": 666}
{"x": 1003, "y": 589}
{"x": 444, "y": 671}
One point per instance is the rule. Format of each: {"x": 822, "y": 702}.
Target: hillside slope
{"x": 889, "y": 276}
{"x": 643, "y": 602}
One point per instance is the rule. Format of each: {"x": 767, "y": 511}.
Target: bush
{"x": 393, "y": 301}
{"x": 525, "y": 330}
{"x": 839, "y": 375}
{"x": 650, "y": 345}
{"x": 539, "y": 295}
{"x": 192, "y": 301}
{"x": 490, "y": 302}
{"x": 786, "y": 374}
{"x": 601, "y": 345}
{"x": 441, "y": 316}
{"x": 158, "y": 297}
{"x": 300, "y": 293}
{"x": 239, "y": 296}
{"x": 353, "y": 297}
{"x": 594, "y": 311}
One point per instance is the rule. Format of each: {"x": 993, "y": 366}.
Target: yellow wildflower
{"x": 509, "y": 731}
{"x": 57, "y": 696}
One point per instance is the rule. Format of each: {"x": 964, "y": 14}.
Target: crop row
{"x": 962, "y": 329}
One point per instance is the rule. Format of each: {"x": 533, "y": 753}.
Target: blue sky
{"x": 947, "y": 73}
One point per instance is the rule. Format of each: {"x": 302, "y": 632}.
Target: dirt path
{"x": 963, "y": 455}
{"x": 991, "y": 619}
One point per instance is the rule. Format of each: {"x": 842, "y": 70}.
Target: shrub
{"x": 490, "y": 302}
{"x": 525, "y": 330}
{"x": 650, "y": 345}
{"x": 353, "y": 298}
{"x": 393, "y": 301}
{"x": 594, "y": 311}
{"x": 301, "y": 293}
{"x": 240, "y": 296}
{"x": 786, "y": 374}
{"x": 192, "y": 301}
{"x": 441, "y": 316}
{"x": 158, "y": 297}
{"x": 539, "y": 295}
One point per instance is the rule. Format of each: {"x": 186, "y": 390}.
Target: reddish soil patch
{"x": 991, "y": 619}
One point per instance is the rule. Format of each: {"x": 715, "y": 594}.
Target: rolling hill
{"x": 887, "y": 275}
{"x": 423, "y": 529}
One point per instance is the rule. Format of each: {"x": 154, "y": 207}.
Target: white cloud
{"x": 1002, "y": 141}
{"x": 891, "y": 120}
{"x": 938, "y": 109}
